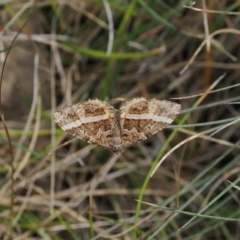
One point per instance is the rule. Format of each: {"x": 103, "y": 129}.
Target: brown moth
{"x": 99, "y": 123}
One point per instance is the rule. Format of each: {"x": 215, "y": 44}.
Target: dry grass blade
{"x": 11, "y": 223}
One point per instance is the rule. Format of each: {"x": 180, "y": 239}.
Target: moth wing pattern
{"x": 90, "y": 121}
{"x": 141, "y": 118}
{"x": 99, "y": 123}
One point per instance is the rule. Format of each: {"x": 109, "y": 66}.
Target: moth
{"x": 99, "y": 123}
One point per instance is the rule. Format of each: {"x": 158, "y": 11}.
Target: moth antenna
{"x": 119, "y": 99}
